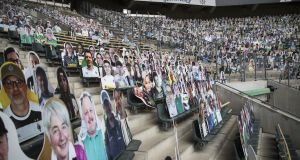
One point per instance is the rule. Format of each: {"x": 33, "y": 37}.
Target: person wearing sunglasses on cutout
{"x": 25, "y": 114}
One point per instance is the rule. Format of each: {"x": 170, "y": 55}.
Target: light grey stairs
{"x": 267, "y": 147}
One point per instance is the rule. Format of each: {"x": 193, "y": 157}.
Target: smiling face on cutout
{"x": 89, "y": 115}
{"x": 59, "y": 137}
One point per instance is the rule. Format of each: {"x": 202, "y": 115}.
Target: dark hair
{"x": 118, "y": 63}
{"x": 87, "y": 51}
{"x": 3, "y": 130}
{"x": 8, "y": 51}
{"x": 60, "y": 70}
{"x": 168, "y": 158}
{"x": 41, "y": 72}
{"x": 106, "y": 103}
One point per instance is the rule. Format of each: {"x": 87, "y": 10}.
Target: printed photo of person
{"x": 44, "y": 89}
{"x": 170, "y": 101}
{"x": 58, "y": 130}
{"x": 33, "y": 61}
{"x": 122, "y": 115}
{"x": 107, "y": 81}
{"x": 70, "y": 60}
{"x": 202, "y": 119}
{"x": 120, "y": 109}
{"x": 91, "y": 134}
{"x": 114, "y": 138}
{"x": 99, "y": 63}
{"x": 89, "y": 70}
{"x": 25, "y": 114}
{"x": 65, "y": 95}
{"x": 158, "y": 90}
{"x": 9, "y": 144}
{"x": 120, "y": 79}
{"x": 138, "y": 79}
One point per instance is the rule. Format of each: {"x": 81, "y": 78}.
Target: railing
{"x": 286, "y": 147}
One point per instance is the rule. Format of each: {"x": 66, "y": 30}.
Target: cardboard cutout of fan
{"x": 114, "y": 136}
{"x": 59, "y": 143}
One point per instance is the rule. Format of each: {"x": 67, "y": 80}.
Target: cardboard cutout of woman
{"x": 114, "y": 140}
{"x": 39, "y": 36}
{"x": 65, "y": 95}
{"x": 43, "y": 87}
{"x": 58, "y": 129}
{"x": 92, "y": 132}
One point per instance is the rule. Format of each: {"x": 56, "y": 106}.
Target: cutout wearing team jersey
{"x": 25, "y": 114}
{"x": 9, "y": 146}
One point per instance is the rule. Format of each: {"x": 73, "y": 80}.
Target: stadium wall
{"x": 191, "y": 11}
{"x": 269, "y": 116}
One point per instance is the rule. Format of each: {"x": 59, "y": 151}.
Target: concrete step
{"x": 267, "y": 146}
{"x": 154, "y": 140}
{"x": 211, "y": 150}
{"x": 141, "y": 121}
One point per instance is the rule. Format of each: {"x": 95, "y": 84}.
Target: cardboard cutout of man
{"x": 92, "y": 131}
{"x": 25, "y": 113}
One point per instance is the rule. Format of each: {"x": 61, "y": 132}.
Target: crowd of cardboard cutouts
{"x": 30, "y": 102}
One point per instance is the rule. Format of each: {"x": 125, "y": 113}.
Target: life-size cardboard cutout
{"x": 33, "y": 61}
{"x": 107, "y": 81}
{"x": 10, "y": 147}
{"x": 58, "y": 130}
{"x": 43, "y": 87}
{"x": 65, "y": 95}
{"x": 114, "y": 137}
{"x": 92, "y": 129}
{"x": 89, "y": 69}
{"x": 28, "y": 119}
